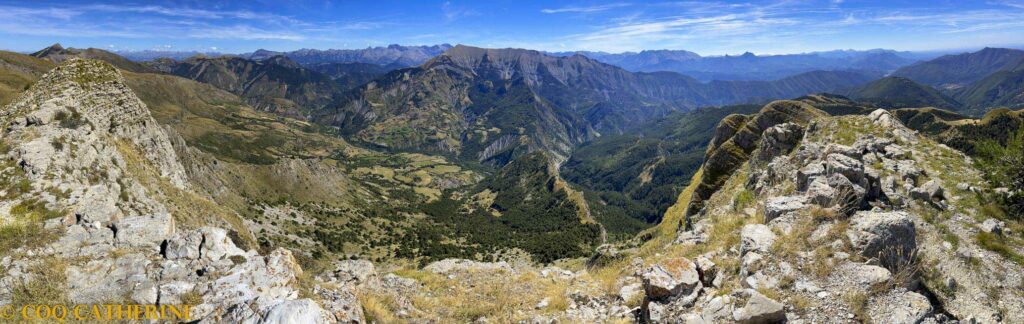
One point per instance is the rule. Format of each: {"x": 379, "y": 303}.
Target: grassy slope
{"x": 18, "y": 72}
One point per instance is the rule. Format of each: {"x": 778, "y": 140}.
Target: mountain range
{"x": 511, "y": 185}
{"x": 491, "y": 104}
{"x": 392, "y": 56}
{"x": 753, "y": 67}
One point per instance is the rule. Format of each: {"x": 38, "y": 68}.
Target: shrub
{"x": 70, "y": 120}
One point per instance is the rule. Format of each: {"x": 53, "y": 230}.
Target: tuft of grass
{"x": 70, "y": 120}
{"x": 743, "y": 199}
{"x": 858, "y": 302}
{"x": 995, "y": 243}
{"x": 801, "y": 303}
{"x": 378, "y": 308}
{"x": 557, "y": 300}
{"x": 192, "y": 297}
{"x": 822, "y": 265}
{"x": 821, "y": 214}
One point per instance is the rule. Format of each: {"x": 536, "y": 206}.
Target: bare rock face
{"x": 779, "y": 139}
{"x": 756, "y": 237}
{"x": 778, "y": 206}
{"x": 143, "y": 230}
{"x": 296, "y": 311}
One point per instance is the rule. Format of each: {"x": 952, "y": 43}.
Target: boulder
{"x": 852, "y": 168}
{"x": 631, "y": 292}
{"x": 718, "y": 309}
{"x": 993, "y": 225}
{"x": 692, "y": 319}
{"x": 805, "y": 175}
{"x": 760, "y": 310}
{"x": 896, "y": 152}
{"x": 145, "y": 293}
{"x": 820, "y": 193}
{"x": 862, "y": 275}
{"x": 842, "y": 149}
{"x": 171, "y": 292}
{"x": 778, "y": 140}
{"x": 301, "y": 311}
{"x": 848, "y": 197}
{"x": 671, "y": 278}
{"x": 217, "y": 245}
{"x": 873, "y": 183}
{"x": 908, "y": 170}
{"x": 656, "y": 313}
{"x": 871, "y": 144}
{"x": 778, "y": 206}
{"x": 928, "y": 191}
{"x": 262, "y": 278}
{"x": 707, "y": 270}
{"x": 357, "y": 272}
{"x": 107, "y": 278}
{"x": 183, "y": 245}
{"x": 756, "y": 237}
{"x": 886, "y": 120}
{"x": 899, "y": 307}
{"x": 890, "y": 237}
{"x": 890, "y": 190}
{"x": 751, "y": 263}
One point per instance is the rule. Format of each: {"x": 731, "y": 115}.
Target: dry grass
{"x": 378, "y": 308}
{"x": 607, "y": 277}
{"x": 821, "y": 266}
{"x": 47, "y": 286}
{"x": 802, "y": 303}
{"x": 497, "y": 296}
{"x": 858, "y": 302}
{"x": 789, "y": 245}
{"x": 193, "y": 297}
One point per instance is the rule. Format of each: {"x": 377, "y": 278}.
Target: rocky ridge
{"x": 85, "y": 160}
{"x": 856, "y": 221}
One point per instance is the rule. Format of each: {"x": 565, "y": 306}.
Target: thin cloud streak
{"x": 589, "y": 9}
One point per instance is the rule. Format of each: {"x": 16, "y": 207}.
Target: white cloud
{"x": 589, "y": 9}
{"x": 453, "y": 13}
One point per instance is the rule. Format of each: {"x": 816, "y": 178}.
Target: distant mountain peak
{"x": 52, "y": 49}
{"x": 282, "y": 60}
{"x": 262, "y": 54}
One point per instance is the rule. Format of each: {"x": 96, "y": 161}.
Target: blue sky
{"x": 708, "y": 28}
